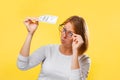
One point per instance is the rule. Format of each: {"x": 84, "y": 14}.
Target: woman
{"x": 67, "y": 61}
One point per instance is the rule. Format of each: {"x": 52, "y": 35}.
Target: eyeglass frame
{"x": 63, "y": 30}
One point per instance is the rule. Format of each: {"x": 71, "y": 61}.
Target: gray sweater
{"x": 55, "y": 65}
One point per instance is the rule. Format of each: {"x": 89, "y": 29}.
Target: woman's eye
{"x": 70, "y": 33}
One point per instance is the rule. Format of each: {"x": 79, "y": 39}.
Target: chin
{"x": 66, "y": 45}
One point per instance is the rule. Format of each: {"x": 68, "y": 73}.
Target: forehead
{"x": 69, "y": 27}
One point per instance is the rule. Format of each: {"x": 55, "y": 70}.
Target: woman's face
{"x": 66, "y": 34}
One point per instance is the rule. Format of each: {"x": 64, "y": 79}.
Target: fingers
{"x": 31, "y": 20}
{"x": 77, "y": 38}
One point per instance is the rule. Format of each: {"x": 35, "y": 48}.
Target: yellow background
{"x": 102, "y": 17}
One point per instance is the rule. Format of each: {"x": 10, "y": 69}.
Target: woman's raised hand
{"x": 31, "y": 24}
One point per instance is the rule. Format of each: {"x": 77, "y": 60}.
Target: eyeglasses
{"x": 64, "y": 31}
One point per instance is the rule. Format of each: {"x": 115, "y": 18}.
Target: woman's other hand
{"x": 77, "y": 42}
{"x": 31, "y": 24}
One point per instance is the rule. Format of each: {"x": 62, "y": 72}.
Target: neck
{"x": 65, "y": 50}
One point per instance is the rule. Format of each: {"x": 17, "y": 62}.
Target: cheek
{"x": 69, "y": 41}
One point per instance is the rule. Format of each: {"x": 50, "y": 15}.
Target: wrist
{"x": 29, "y": 35}
{"x": 75, "y": 54}
{"x": 75, "y": 51}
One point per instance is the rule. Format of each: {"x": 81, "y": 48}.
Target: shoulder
{"x": 85, "y": 59}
